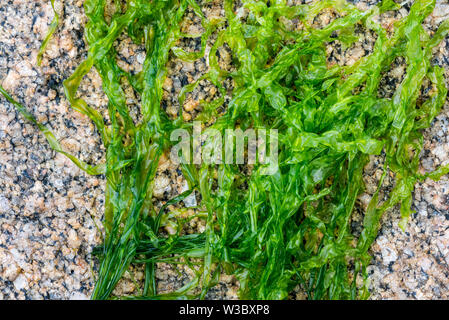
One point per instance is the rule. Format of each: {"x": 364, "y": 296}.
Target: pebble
{"x": 25, "y": 69}
{"x": 21, "y": 282}
{"x": 161, "y": 185}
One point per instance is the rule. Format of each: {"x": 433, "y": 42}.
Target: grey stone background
{"x": 50, "y": 210}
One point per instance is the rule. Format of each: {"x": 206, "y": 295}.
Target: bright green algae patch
{"x": 273, "y": 232}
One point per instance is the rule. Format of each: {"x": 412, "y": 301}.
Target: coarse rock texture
{"x": 50, "y": 211}
{"x": 48, "y": 207}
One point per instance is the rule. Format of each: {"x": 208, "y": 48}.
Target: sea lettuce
{"x": 273, "y": 232}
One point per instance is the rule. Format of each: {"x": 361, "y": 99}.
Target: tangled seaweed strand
{"x": 51, "y": 30}
{"x": 273, "y": 232}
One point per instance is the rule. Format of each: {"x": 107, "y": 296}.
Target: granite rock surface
{"x": 50, "y": 211}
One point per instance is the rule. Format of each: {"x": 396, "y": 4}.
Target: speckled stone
{"x": 49, "y": 209}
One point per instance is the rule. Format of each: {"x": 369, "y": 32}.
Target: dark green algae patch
{"x": 273, "y": 232}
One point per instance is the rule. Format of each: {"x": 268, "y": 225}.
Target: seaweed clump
{"x": 275, "y": 231}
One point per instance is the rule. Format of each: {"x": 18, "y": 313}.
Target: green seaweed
{"x": 51, "y": 30}
{"x": 273, "y": 232}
